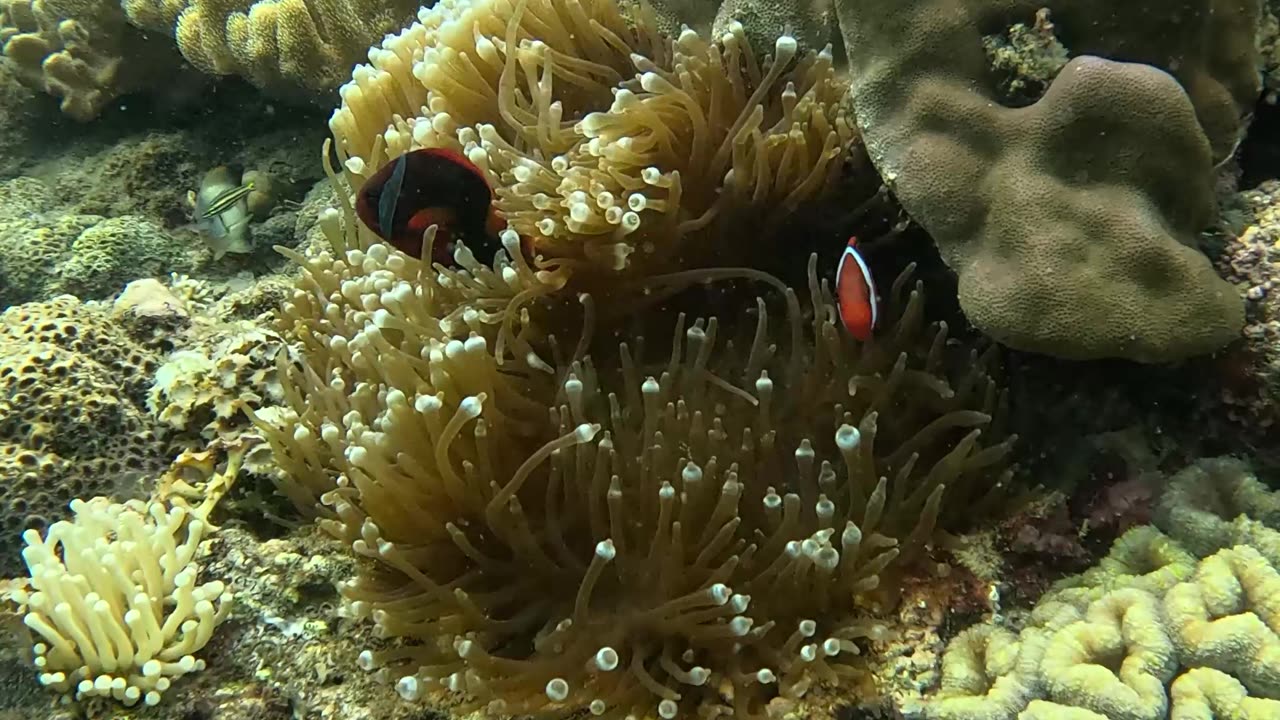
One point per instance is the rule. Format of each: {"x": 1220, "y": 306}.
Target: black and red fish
{"x": 432, "y": 186}
{"x": 856, "y": 293}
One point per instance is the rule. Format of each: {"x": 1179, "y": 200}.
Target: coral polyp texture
{"x": 613, "y": 147}
{"x": 298, "y": 49}
{"x": 115, "y": 602}
{"x": 1071, "y": 222}
{"x": 1151, "y": 632}
{"x": 73, "y": 383}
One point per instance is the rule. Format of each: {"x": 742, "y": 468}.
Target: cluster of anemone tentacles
{"x": 573, "y": 498}
{"x": 675, "y": 525}
{"x": 619, "y": 151}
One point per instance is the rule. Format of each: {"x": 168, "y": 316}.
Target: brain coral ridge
{"x": 1072, "y": 222}
{"x": 1150, "y": 632}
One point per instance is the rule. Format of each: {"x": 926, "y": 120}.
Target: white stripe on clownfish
{"x": 856, "y": 299}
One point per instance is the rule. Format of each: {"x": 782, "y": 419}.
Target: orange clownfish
{"x": 432, "y": 186}
{"x": 856, "y": 293}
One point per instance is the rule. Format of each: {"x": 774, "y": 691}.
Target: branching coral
{"x": 610, "y": 145}
{"x": 88, "y": 52}
{"x": 76, "y": 50}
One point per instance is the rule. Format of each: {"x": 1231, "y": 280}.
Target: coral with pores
{"x": 73, "y": 422}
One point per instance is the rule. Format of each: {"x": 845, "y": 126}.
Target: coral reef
{"x": 1028, "y": 57}
{"x": 290, "y": 48}
{"x": 1216, "y": 504}
{"x": 89, "y": 52}
{"x": 595, "y": 523}
{"x": 1250, "y": 374}
{"x": 105, "y": 257}
{"x": 204, "y": 388}
{"x": 620, "y": 152}
{"x": 72, "y": 415}
{"x": 285, "y": 649}
{"x": 83, "y": 52}
{"x": 1150, "y": 632}
{"x": 19, "y": 114}
{"x": 670, "y": 507}
{"x": 45, "y": 252}
{"x": 1065, "y": 239}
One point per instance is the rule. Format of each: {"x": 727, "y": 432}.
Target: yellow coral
{"x": 1228, "y": 618}
{"x": 1213, "y": 635}
{"x": 1121, "y": 628}
{"x": 82, "y": 51}
{"x": 289, "y": 47}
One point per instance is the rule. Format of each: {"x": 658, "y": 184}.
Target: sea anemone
{"x": 567, "y": 508}
{"x": 614, "y": 148}
{"x": 673, "y": 526}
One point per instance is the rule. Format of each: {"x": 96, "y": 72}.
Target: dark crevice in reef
{"x": 1259, "y": 152}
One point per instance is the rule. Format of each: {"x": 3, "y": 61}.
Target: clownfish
{"x": 856, "y": 293}
{"x": 432, "y": 186}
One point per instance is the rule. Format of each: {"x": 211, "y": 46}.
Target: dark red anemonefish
{"x": 432, "y": 186}
{"x": 856, "y": 293}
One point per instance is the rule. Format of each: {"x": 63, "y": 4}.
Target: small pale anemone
{"x": 614, "y": 148}
{"x": 681, "y": 527}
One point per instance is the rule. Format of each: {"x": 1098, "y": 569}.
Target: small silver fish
{"x": 222, "y": 212}
{"x": 226, "y": 200}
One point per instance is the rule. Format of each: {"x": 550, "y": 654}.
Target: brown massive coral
{"x": 1072, "y": 222}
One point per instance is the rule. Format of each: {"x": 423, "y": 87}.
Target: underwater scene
{"x": 640, "y": 359}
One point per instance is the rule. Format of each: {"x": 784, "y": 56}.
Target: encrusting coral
{"x": 73, "y": 423}
{"x": 47, "y": 249}
{"x": 1150, "y": 632}
{"x": 1072, "y": 222}
{"x": 201, "y": 388}
{"x": 612, "y": 147}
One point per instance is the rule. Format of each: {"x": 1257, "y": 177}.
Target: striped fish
{"x": 226, "y": 200}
